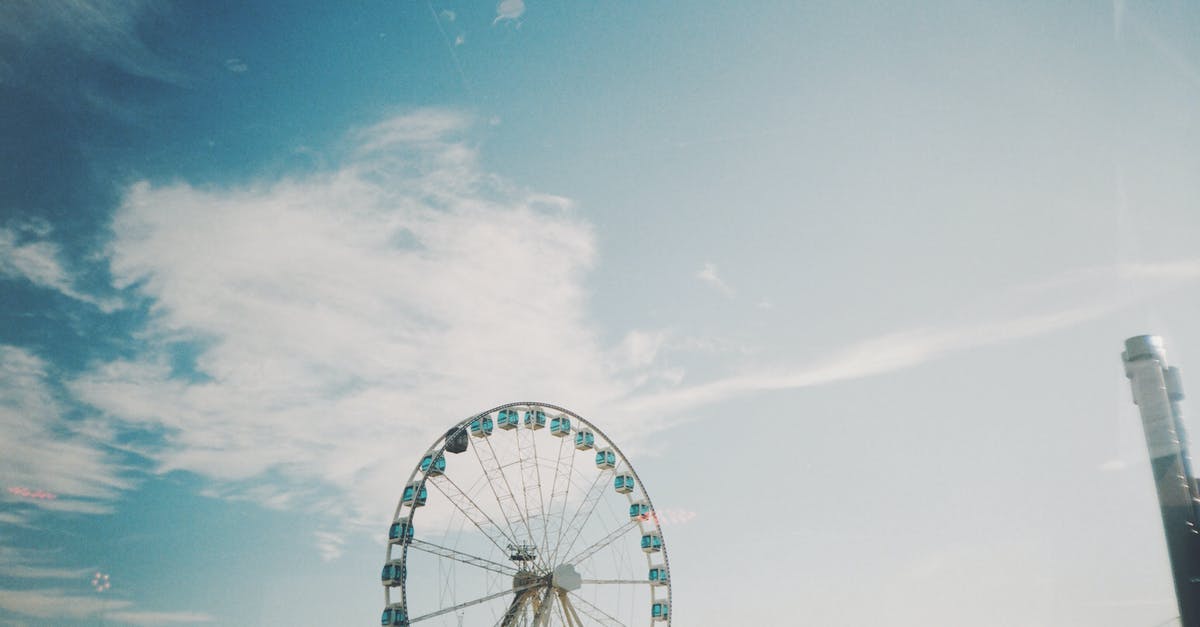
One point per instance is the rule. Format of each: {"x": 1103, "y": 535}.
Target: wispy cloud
{"x": 708, "y": 274}
{"x": 56, "y": 603}
{"x": 96, "y": 29}
{"x": 236, "y": 65}
{"x": 509, "y": 10}
{"x": 26, "y": 254}
{"x": 348, "y": 316}
{"x": 1035, "y": 309}
{"x": 39, "y": 448}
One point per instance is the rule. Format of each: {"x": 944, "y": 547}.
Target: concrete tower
{"x": 1157, "y": 390}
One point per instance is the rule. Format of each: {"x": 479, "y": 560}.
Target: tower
{"x": 1157, "y": 391}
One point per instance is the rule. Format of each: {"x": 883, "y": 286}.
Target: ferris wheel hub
{"x": 566, "y": 578}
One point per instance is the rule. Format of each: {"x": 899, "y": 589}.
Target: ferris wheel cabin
{"x": 535, "y": 419}
{"x": 415, "y": 494}
{"x": 659, "y": 576}
{"x": 482, "y": 427}
{"x": 623, "y": 483}
{"x": 560, "y": 426}
{"x": 660, "y": 611}
{"x": 507, "y": 419}
{"x": 395, "y": 615}
{"x": 401, "y": 532}
{"x": 394, "y": 573}
{"x": 433, "y": 467}
{"x": 639, "y": 509}
{"x": 606, "y": 459}
{"x": 584, "y": 440}
{"x": 652, "y": 542}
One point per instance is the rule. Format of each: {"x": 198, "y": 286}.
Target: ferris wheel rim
{"x": 419, "y": 478}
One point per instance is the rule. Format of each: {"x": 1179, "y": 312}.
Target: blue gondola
{"x": 652, "y": 542}
{"x": 584, "y": 440}
{"x": 605, "y": 458}
{"x": 482, "y": 427}
{"x": 507, "y": 419}
{"x": 535, "y": 419}
{"x": 560, "y": 426}
{"x": 401, "y": 532}
{"x": 415, "y": 494}
{"x": 659, "y": 576}
{"x": 660, "y": 611}
{"x": 639, "y": 509}
{"x": 395, "y": 615}
{"x": 433, "y": 467}
{"x": 394, "y": 573}
{"x": 623, "y": 483}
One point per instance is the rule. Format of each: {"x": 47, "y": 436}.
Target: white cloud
{"x": 56, "y": 603}
{"x": 28, "y": 564}
{"x": 97, "y": 29}
{"x": 39, "y": 262}
{"x": 42, "y": 451}
{"x": 509, "y": 10}
{"x": 460, "y": 40}
{"x": 448, "y": 15}
{"x": 1030, "y": 310}
{"x": 709, "y": 275}
{"x": 158, "y": 618}
{"x": 236, "y": 65}
{"x": 350, "y": 317}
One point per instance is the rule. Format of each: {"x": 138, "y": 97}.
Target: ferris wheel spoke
{"x": 603, "y": 542}
{"x": 531, "y": 479}
{"x": 471, "y": 510}
{"x": 595, "y": 613}
{"x": 455, "y": 608}
{"x": 515, "y": 609}
{"x": 542, "y": 615}
{"x": 501, "y": 489}
{"x": 570, "y": 616}
{"x": 588, "y": 505}
{"x": 559, "y": 492}
{"x": 459, "y": 556}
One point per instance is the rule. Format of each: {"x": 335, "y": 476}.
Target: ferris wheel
{"x": 525, "y": 515}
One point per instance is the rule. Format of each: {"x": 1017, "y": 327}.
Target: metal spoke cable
{"x": 465, "y": 558}
{"x": 498, "y": 480}
{"x": 603, "y": 542}
{"x": 485, "y": 599}
{"x": 592, "y": 611}
{"x": 470, "y": 509}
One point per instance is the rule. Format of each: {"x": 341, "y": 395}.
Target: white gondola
{"x": 401, "y": 532}
{"x": 535, "y": 419}
{"x": 639, "y": 509}
{"x": 659, "y": 576}
{"x": 652, "y": 542}
{"x": 606, "y": 458}
{"x": 560, "y": 426}
{"x": 394, "y": 573}
{"x": 584, "y": 440}
{"x": 623, "y": 483}
{"x": 508, "y": 419}
{"x": 433, "y": 467}
{"x": 660, "y": 611}
{"x": 415, "y": 494}
{"x": 482, "y": 427}
{"x": 395, "y": 615}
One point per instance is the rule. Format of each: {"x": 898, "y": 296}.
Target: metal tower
{"x": 1157, "y": 390}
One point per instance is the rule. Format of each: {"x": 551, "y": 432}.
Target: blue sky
{"x": 847, "y": 282}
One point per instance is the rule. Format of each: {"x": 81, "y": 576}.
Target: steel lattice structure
{"x": 525, "y": 515}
